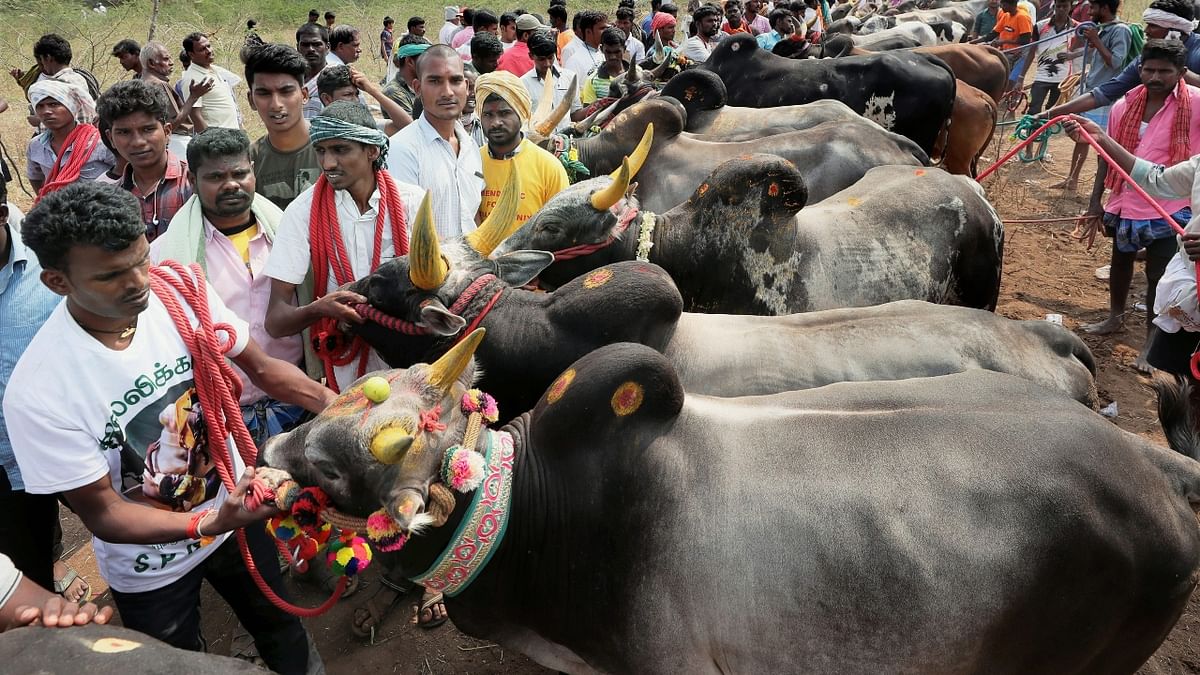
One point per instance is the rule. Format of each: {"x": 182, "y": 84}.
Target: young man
{"x": 53, "y": 56}
{"x": 134, "y": 115}
{"x": 596, "y": 85}
{"x": 344, "y": 83}
{"x": 1053, "y": 66}
{"x": 543, "y": 50}
{"x": 985, "y": 21}
{"x": 508, "y": 30}
{"x": 734, "y": 22}
{"x": 400, "y": 88}
{"x": 707, "y": 20}
{"x": 506, "y": 108}
{"x": 482, "y": 21}
{"x": 586, "y": 55}
{"x": 1013, "y": 29}
{"x": 68, "y": 150}
{"x": 128, "y": 53}
{"x": 756, "y": 19}
{"x": 312, "y": 41}
{"x": 185, "y": 119}
{"x": 469, "y": 120}
{"x": 654, "y": 9}
{"x": 416, "y": 26}
{"x": 486, "y": 51}
{"x": 435, "y": 152}
{"x": 564, "y": 34}
{"x": 350, "y": 150}
{"x": 124, "y": 444}
{"x": 783, "y": 25}
{"x": 517, "y": 60}
{"x": 387, "y": 38}
{"x": 284, "y": 162}
{"x": 330, "y": 20}
{"x": 345, "y": 46}
{"x": 1158, "y": 121}
{"x": 454, "y": 18}
{"x": 634, "y": 48}
{"x": 217, "y": 106}
{"x": 313, "y": 16}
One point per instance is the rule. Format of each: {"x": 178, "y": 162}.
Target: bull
{"x": 981, "y": 66}
{"x": 960, "y": 524}
{"x": 745, "y": 243}
{"x": 99, "y": 648}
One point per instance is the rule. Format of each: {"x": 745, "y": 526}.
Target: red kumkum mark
{"x": 773, "y": 190}
{"x": 702, "y": 189}
{"x": 919, "y": 172}
{"x": 349, "y": 403}
{"x": 627, "y": 399}
{"x": 598, "y": 278}
{"x": 560, "y": 386}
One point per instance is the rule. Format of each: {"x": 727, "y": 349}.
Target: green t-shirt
{"x": 282, "y": 176}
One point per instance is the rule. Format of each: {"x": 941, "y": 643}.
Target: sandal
{"x": 428, "y": 602}
{"x": 368, "y": 617}
{"x": 64, "y": 583}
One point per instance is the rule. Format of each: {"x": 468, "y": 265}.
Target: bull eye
{"x": 329, "y": 470}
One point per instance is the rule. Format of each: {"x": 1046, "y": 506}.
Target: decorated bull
{"x": 905, "y": 92}
{"x": 745, "y": 243}
{"x": 959, "y": 524}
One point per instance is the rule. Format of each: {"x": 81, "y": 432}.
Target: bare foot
{"x": 1142, "y": 365}
{"x": 1068, "y": 184}
{"x": 1112, "y": 325}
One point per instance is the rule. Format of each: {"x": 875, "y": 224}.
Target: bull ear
{"x": 520, "y": 267}
{"x": 502, "y": 221}
{"x": 441, "y": 321}
{"x": 444, "y": 372}
{"x": 427, "y": 268}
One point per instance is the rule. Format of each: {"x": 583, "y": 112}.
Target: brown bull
{"x": 981, "y": 66}
{"x": 972, "y": 123}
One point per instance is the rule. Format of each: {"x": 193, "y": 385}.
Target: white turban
{"x": 74, "y": 97}
{"x": 1167, "y": 20}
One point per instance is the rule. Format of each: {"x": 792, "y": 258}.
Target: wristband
{"x": 193, "y": 529}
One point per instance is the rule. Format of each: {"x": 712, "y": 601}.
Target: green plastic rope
{"x": 1036, "y": 151}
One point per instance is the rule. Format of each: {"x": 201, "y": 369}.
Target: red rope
{"x": 588, "y": 249}
{"x": 82, "y": 141}
{"x": 1195, "y": 362}
{"x": 219, "y": 389}
{"x": 409, "y": 328}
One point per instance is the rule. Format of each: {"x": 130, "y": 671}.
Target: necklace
{"x": 122, "y": 333}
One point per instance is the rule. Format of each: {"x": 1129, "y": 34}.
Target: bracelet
{"x": 193, "y": 529}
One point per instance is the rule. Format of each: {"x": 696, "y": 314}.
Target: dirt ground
{"x": 1046, "y": 272}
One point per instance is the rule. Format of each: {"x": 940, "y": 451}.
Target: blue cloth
{"x": 267, "y": 417}
{"x": 767, "y": 41}
{"x": 1099, "y": 116}
{"x": 1018, "y": 67}
{"x": 1133, "y": 235}
{"x": 1111, "y": 91}
{"x": 25, "y": 304}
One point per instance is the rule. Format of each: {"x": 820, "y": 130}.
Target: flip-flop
{"x": 62, "y": 585}
{"x": 427, "y": 604}
{"x": 376, "y": 611}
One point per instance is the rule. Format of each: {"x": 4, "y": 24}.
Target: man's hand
{"x": 1191, "y": 246}
{"x": 57, "y": 612}
{"x": 233, "y": 513}
{"x": 1092, "y": 35}
{"x": 1087, "y": 228}
{"x": 363, "y": 82}
{"x": 336, "y": 305}
{"x": 199, "y": 88}
{"x": 1074, "y": 123}
{"x": 17, "y": 74}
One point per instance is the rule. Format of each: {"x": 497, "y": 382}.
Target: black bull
{"x": 906, "y": 92}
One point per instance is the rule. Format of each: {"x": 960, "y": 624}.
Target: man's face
{"x": 592, "y": 36}
{"x": 418, "y": 30}
{"x": 140, "y": 138}
{"x": 667, "y": 33}
{"x": 542, "y": 64}
{"x": 329, "y": 21}
{"x": 1062, "y": 9}
{"x": 129, "y": 61}
{"x": 709, "y": 25}
{"x": 457, "y": 21}
{"x": 349, "y": 51}
{"x": 442, "y": 87}
{"x": 224, "y": 185}
{"x": 626, "y": 26}
{"x": 614, "y": 57}
{"x": 53, "y": 114}
{"x": 313, "y": 49}
{"x": 493, "y": 28}
{"x": 993, "y": 4}
{"x": 346, "y": 93}
{"x": 485, "y": 63}
{"x": 1097, "y": 12}
{"x": 313, "y": 17}
{"x": 202, "y": 52}
{"x": 751, "y": 7}
{"x": 1008, "y": 7}
{"x": 278, "y": 99}
{"x": 161, "y": 65}
{"x": 508, "y": 33}
{"x": 114, "y": 285}
{"x": 345, "y": 163}
{"x": 733, "y": 14}
{"x": 501, "y": 123}
{"x": 1159, "y": 75}
{"x": 469, "y": 104}
{"x": 784, "y": 25}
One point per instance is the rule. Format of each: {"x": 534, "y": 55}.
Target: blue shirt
{"x": 767, "y": 41}
{"x": 25, "y": 304}
{"x": 1112, "y": 90}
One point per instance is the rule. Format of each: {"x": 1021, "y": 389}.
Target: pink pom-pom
{"x": 475, "y": 401}
{"x": 383, "y": 532}
{"x": 462, "y": 469}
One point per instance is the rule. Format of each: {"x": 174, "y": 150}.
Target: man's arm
{"x": 281, "y": 380}
{"x": 1076, "y": 105}
{"x": 1111, "y": 91}
{"x": 399, "y": 118}
{"x": 188, "y": 108}
{"x": 284, "y": 318}
{"x": 1158, "y": 181}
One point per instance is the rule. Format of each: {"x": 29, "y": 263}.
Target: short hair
{"x": 626, "y": 3}
{"x": 387, "y": 20}
{"x": 275, "y": 59}
{"x": 624, "y": 13}
{"x": 779, "y": 13}
{"x": 216, "y": 142}
{"x": 85, "y": 213}
{"x": 132, "y": 96}
{"x": 333, "y": 78}
{"x": 189, "y": 42}
{"x": 341, "y": 34}
{"x": 541, "y": 43}
{"x": 486, "y": 44}
{"x": 735, "y": 3}
{"x": 1180, "y": 8}
{"x": 330, "y": 15}
{"x": 483, "y": 18}
{"x": 1112, "y": 5}
{"x": 557, "y": 12}
{"x": 669, "y": 8}
{"x": 588, "y": 19}
{"x": 1171, "y": 51}
{"x": 313, "y": 12}
{"x": 185, "y": 58}
{"x": 127, "y": 46}
{"x": 151, "y": 50}
{"x": 415, "y": 21}
{"x": 508, "y": 18}
{"x": 612, "y": 36}
{"x": 705, "y": 10}
{"x": 53, "y": 46}
{"x": 468, "y": 15}
{"x": 317, "y": 28}
{"x": 436, "y": 52}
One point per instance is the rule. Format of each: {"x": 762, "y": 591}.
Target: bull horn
{"x": 547, "y": 100}
{"x": 631, "y": 74}
{"x": 389, "y": 444}
{"x": 444, "y": 372}
{"x": 608, "y": 112}
{"x": 581, "y": 127}
{"x": 659, "y": 49}
{"x": 426, "y": 267}
{"x": 604, "y": 199}
{"x": 502, "y": 221}
{"x": 549, "y": 124}
{"x": 638, "y": 158}
{"x": 657, "y": 71}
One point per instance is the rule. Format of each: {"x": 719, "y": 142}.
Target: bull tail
{"x": 983, "y": 148}
{"x": 1177, "y": 406}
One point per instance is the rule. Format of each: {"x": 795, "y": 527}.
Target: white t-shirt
{"x": 1048, "y": 68}
{"x": 77, "y": 411}
{"x": 581, "y": 59}
{"x": 217, "y": 106}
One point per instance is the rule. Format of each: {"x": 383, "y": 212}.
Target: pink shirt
{"x": 1153, "y": 147}
{"x": 462, "y": 37}
{"x": 246, "y": 292}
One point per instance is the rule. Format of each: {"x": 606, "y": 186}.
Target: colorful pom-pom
{"x": 348, "y": 555}
{"x": 306, "y": 511}
{"x": 283, "y": 528}
{"x": 462, "y": 469}
{"x": 286, "y": 495}
{"x": 304, "y": 546}
{"x": 383, "y": 532}
{"x": 475, "y": 401}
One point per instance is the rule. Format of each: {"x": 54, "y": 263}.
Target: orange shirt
{"x": 1010, "y": 27}
{"x": 564, "y": 38}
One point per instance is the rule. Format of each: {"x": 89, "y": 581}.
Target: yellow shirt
{"x": 241, "y": 242}
{"x": 541, "y": 175}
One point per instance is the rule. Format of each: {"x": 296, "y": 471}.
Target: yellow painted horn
{"x": 445, "y": 371}
{"x": 502, "y": 221}
{"x": 389, "y": 444}
{"x": 638, "y": 158}
{"x": 604, "y": 199}
{"x": 426, "y": 267}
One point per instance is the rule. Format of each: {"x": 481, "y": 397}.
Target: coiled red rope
{"x": 1195, "y": 361}
{"x": 219, "y": 389}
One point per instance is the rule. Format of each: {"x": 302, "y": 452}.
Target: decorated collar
{"x": 481, "y": 530}
{"x": 630, "y": 214}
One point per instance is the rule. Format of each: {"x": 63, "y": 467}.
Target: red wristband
{"x": 193, "y": 528}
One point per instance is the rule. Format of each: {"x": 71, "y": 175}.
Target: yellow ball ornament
{"x": 376, "y": 389}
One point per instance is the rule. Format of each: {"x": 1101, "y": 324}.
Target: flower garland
{"x": 645, "y": 236}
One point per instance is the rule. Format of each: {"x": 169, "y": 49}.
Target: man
{"x": 758, "y": 23}
{"x": 654, "y": 9}
{"x": 453, "y": 22}
{"x": 543, "y": 50}
{"x": 482, "y": 21}
{"x": 435, "y": 152}
{"x": 634, "y": 48}
{"x": 217, "y": 107}
{"x": 1013, "y": 29}
{"x": 506, "y": 108}
{"x": 1055, "y": 35}
{"x": 386, "y": 39}
{"x": 284, "y": 162}
{"x": 313, "y": 16}
{"x": 1108, "y": 48}
{"x": 345, "y": 47}
{"x": 128, "y": 53}
{"x": 597, "y": 83}
{"x": 486, "y": 51}
{"x": 53, "y": 56}
{"x": 1164, "y": 103}
{"x": 985, "y": 20}
{"x": 135, "y": 116}
{"x": 123, "y": 442}
{"x": 344, "y": 83}
{"x": 349, "y": 202}
{"x": 707, "y": 20}
{"x": 586, "y": 55}
{"x": 469, "y": 120}
{"x": 50, "y": 156}
{"x": 330, "y": 20}
{"x": 229, "y": 229}
{"x": 416, "y": 26}
{"x": 783, "y": 25}
{"x": 734, "y": 22}
{"x": 312, "y": 41}
{"x": 400, "y": 88}
{"x": 508, "y": 30}
{"x": 517, "y": 60}
{"x": 557, "y": 14}
{"x": 185, "y": 119}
